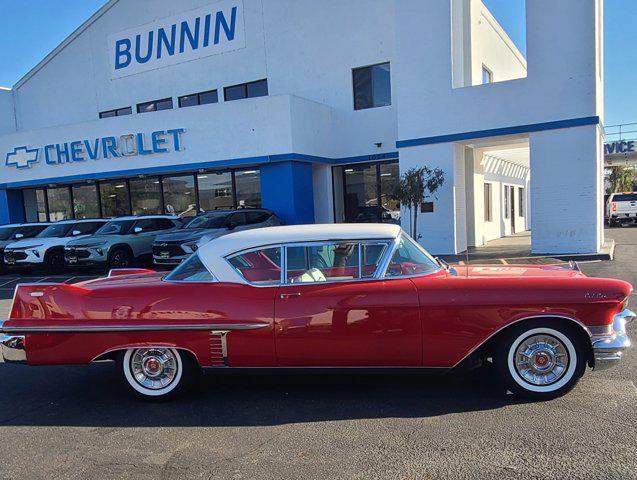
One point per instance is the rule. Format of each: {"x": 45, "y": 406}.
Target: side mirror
{"x": 18, "y": 236}
{"x": 137, "y": 229}
{"x": 75, "y": 233}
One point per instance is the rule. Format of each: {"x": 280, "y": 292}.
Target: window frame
{"x": 486, "y": 71}
{"x": 521, "y": 202}
{"x": 371, "y": 76}
{"x": 244, "y": 87}
{"x": 488, "y": 201}
{"x": 139, "y": 106}
{"x": 391, "y": 245}
{"x": 116, "y": 112}
{"x": 198, "y": 97}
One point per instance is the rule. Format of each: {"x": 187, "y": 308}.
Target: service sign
{"x": 211, "y": 30}
{"x": 99, "y": 148}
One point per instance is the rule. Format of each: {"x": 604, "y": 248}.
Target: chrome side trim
{"x": 532, "y": 317}
{"x": 608, "y": 349}
{"x": 222, "y": 336}
{"x": 133, "y": 328}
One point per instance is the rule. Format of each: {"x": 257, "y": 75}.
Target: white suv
{"x": 621, "y": 208}
{"x": 47, "y": 247}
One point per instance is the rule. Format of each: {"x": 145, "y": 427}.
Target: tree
{"x": 621, "y": 179}
{"x": 414, "y": 186}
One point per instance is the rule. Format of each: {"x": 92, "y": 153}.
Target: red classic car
{"x": 325, "y": 296}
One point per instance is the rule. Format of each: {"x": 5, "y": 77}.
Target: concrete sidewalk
{"x": 517, "y": 249}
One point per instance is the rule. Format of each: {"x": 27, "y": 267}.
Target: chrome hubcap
{"x": 541, "y": 360}
{"x": 154, "y": 368}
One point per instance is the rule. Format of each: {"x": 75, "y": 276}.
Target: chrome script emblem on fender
{"x": 595, "y": 296}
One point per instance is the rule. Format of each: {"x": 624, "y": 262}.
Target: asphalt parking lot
{"x": 79, "y": 422}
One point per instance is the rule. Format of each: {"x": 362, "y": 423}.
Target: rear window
{"x": 192, "y": 270}
{"x": 259, "y": 267}
{"x": 624, "y": 197}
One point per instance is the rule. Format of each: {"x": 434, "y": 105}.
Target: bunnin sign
{"x": 99, "y": 148}
{"x": 211, "y": 30}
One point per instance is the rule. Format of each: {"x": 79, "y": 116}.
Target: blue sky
{"x": 31, "y": 29}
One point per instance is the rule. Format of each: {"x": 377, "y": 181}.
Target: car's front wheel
{"x": 539, "y": 361}
{"x": 157, "y": 373}
{"x": 119, "y": 258}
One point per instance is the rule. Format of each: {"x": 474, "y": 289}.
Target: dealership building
{"x": 313, "y": 110}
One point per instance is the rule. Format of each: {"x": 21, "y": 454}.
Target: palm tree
{"x": 414, "y": 186}
{"x": 621, "y": 179}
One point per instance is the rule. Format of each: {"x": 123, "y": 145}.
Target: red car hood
{"x": 517, "y": 271}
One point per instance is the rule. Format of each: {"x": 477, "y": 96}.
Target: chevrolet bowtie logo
{"x": 22, "y": 157}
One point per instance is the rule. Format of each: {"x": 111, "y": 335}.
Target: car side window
{"x": 87, "y": 227}
{"x": 237, "y": 219}
{"x": 29, "y": 232}
{"x": 146, "y": 224}
{"x": 371, "y": 256}
{"x": 259, "y": 267}
{"x": 164, "y": 224}
{"x": 257, "y": 217}
{"x": 410, "y": 259}
{"x": 322, "y": 263}
{"x": 192, "y": 270}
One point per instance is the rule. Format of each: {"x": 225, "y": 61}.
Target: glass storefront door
{"x": 364, "y": 193}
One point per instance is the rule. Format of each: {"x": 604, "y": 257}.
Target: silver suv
{"x": 17, "y": 231}
{"x": 173, "y": 248}
{"x": 121, "y": 241}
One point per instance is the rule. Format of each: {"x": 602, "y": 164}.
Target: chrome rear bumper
{"x": 12, "y": 348}
{"x": 608, "y": 349}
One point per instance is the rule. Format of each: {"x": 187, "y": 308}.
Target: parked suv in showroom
{"x": 173, "y": 248}
{"x": 46, "y": 249}
{"x": 17, "y": 231}
{"x": 120, "y": 242}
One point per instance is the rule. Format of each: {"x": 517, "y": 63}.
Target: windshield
{"x": 57, "y": 230}
{"x": 7, "y": 232}
{"x": 215, "y": 220}
{"x": 116, "y": 227}
{"x": 625, "y": 197}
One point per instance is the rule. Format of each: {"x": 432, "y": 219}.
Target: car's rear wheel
{"x": 157, "y": 373}
{"x": 120, "y": 258}
{"x": 540, "y": 362}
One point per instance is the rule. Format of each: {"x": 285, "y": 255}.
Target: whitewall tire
{"x": 541, "y": 360}
{"x": 156, "y": 373}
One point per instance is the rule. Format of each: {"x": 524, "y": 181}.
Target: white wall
{"x": 7, "y": 113}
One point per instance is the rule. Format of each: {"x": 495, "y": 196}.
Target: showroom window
{"x": 521, "y": 201}
{"x": 372, "y": 86}
{"x": 248, "y": 188}
{"x": 145, "y": 196}
{"x": 85, "y": 201}
{"x": 155, "y": 105}
{"x": 179, "y": 195}
{"x": 488, "y": 203}
{"x": 114, "y": 198}
{"x": 507, "y": 202}
{"x": 201, "y": 98}
{"x": 59, "y": 200}
{"x": 215, "y": 190}
{"x": 118, "y": 112}
{"x": 246, "y": 90}
{"x": 35, "y": 205}
{"x": 364, "y": 193}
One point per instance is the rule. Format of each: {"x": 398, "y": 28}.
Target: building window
{"x": 114, "y": 198}
{"x": 215, "y": 190}
{"x": 487, "y": 75}
{"x": 201, "y": 98}
{"x": 372, "y": 86}
{"x": 145, "y": 196}
{"x": 59, "y": 201}
{"x": 488, "y": 203}
{"x": 179, "y": 195}
{"x": 248, "y": 188}
{"x": 117, "y": 112}
{"x": 35, "y": 205}
{"x": 246, "y": 90}
{"x": 367, "y": 193}
{"x": 155, "y": 105}
{"x": 521, "y": 201}
{"x": 85, "y": 201}
{"x": 507, "y": 202}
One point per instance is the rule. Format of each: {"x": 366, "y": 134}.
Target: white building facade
{"x": 313, "y": 109}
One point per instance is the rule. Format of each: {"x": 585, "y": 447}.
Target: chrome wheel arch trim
{"x": 134, "y": 346}
{"x": 583, "y": 327}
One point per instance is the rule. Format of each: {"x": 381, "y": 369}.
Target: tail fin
{"x": 45, "y": 300}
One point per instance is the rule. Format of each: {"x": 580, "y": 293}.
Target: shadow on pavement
{"x": 95, "y": 396}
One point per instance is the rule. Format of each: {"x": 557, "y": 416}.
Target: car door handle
{"x": 288, "y": 295}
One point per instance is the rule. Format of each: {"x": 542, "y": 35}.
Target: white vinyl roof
{"x": 213, "y": 253}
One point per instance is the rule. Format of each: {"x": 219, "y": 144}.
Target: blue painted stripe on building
{"x": 220, "y": 164}
{"x": 496, "y": 132}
